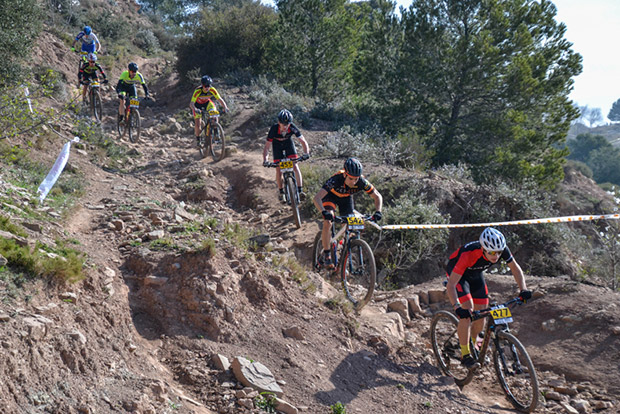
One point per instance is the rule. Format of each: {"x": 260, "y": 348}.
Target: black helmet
{"x": 353, "y": 167}
{"x": 132, "y": 67}
{"x": 206, "y": 80}
{"x": 285, "y": 116}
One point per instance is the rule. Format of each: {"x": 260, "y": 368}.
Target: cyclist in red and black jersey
{"x": 280, "y": 136}
{"x": 338, "y": 192}
{"x": 467, "y": 288}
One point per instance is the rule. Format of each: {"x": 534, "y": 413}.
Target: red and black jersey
{"x": 469, "y": 261}
{"x": 278, "y": 135}
{"x": 335, "y": 185}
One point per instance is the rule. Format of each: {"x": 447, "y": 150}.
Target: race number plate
{"x": 95, "y": 84}
{"x": 285, "y": 165}
{"x": 134, "y": 103}
{"x": 501, "y": 314}
{"x": 213, "y": 112}
{"x": 355, "y": 222}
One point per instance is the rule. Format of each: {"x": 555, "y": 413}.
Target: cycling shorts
{"x": 344, "y": 204}
{"x": 86, "y": 76}
{"x": 284, "y": 149}
{"x": 473, "y": 288}
{"x": 207, "y": 106}
{"x": 88, "y": 48}
{"x": 130, "y": 90}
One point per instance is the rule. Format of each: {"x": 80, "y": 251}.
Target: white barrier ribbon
{"x": 54, "y": 173}
{"x": 564, "y": 219}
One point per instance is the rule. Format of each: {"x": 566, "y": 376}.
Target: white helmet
{"x": 92, "y": 57}
{"x": 492, "y": 240}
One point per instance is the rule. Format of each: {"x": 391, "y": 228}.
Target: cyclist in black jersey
{"x": 280, "y": 136}
{"x": 467, "y": 288}
{"x": 338, "y": 192}
{"x": 88, "y": 70}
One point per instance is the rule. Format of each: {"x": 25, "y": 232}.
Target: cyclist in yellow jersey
{"x": 201, "y": 100}
{"x": 127, "y": 86}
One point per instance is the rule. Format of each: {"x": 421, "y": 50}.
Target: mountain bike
{"x": 131, "y": 122}
{"x": 213, "y": 140}
{"x": 355, "y": 261}
{"x": 291, "y": 192}
{"x": 513, "y": 366}
{"x": 94, "y": 98}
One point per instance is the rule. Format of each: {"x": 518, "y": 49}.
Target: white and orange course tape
{"x": 565, "y": 219}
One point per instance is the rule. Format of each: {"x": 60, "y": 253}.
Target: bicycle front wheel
{"x": 218, "y": 142}
{"x": 294, "y": 199}
{"x": 446, "y": 347}
{"x": 96, "y": 105}
{"x": 516, "y": 372}
{"x": 134, "y": 125}
{"x": 359, "y": 273}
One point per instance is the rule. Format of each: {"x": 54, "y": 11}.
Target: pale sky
{"x": 590, "y": 25}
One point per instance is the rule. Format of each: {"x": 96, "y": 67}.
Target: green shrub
{"x": 146, "y": 40}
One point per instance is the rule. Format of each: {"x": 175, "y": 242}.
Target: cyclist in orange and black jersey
{"x": 467, "y": 288}
{"x": 280, "y": 137}
{"x": 201, "y": 101}
{"x": 338, "y": 192}
{"x": 88, "y": 70}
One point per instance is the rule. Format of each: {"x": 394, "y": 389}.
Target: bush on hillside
{"x": 227, "y": 39}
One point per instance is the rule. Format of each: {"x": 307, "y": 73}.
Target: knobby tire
{"x": 516, "y": 373}
{"x": 96, "y": 105}
{"x": 294, "y": 200}
{"x": 134, "y": 125}
{"x": 218, "y": 143}
{"x": 446, "y": 347}
{"x": 359, "y": 273}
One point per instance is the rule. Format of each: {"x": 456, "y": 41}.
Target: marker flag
{"x": 54, "y": 173}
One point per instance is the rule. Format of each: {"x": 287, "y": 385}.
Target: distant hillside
{"x": 610, "y": 131}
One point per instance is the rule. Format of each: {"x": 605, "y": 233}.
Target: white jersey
{"x": 87, "y": 39}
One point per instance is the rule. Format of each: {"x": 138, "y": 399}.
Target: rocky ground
{"x": 173, "y": 293}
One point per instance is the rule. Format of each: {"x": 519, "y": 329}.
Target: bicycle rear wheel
{"x": 96, "y": 105}
{"x": 134, "y": 125}
{"x": 218, "y": 143}
{"x": 516, "y": 372}
{"x": 446, "y": 347}
{"x": 359, "y": 273}
{"x": 294, "y": 199}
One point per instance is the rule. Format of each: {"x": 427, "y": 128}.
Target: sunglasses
{"x": 489, "y": 253}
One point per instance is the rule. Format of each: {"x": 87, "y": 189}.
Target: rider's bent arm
{"x": 266, "y": 150}
{"x": 318, "y": 199}
{"x": 451, "y": 288}
{"x": 517, "y": 272}
{"x": 304, "y": 144}
{"x": 146, "y": 90}
{"x": 221, "y": 101}
{"x": 376, "y": 196}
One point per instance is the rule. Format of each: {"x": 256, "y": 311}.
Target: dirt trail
{"x": 359, "y": 360}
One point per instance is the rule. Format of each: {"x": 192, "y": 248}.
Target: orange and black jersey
{"x": 276, "y": 134}
{"x": 335, "y": 185}
{"x": 469, "y": 261}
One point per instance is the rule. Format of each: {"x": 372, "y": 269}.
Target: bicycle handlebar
{"x": 295, "y": 160}
{"x": 483, "y": 313}
{"x": 367, "y": 219}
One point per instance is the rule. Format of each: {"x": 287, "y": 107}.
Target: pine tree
{"x": 614, "y": 112}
